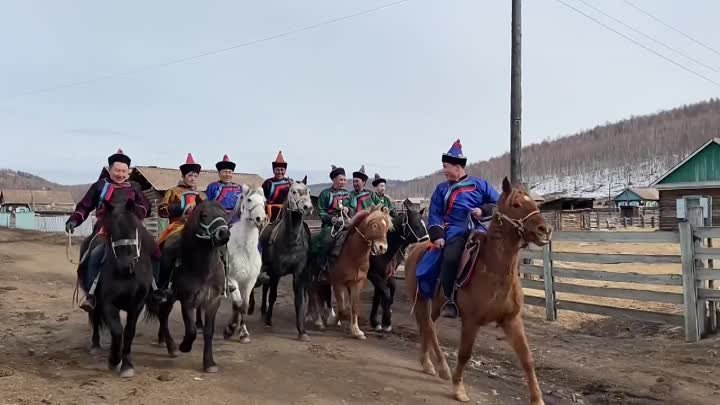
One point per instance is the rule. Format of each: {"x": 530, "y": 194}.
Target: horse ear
{"x": 245, "y": 189}
{"x": 422, "y": 212}
{"x": 304, "y": 180}
{"x": 407, "y": 204}
{"x": 385, "y": 210}
{"x": 506, "y": 186}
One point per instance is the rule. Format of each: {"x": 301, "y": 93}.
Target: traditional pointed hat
{"x": 226, "y": 163}
{"x": 360, "y": 174}
{"x": 378, "y": 180}
{"x": 336, "y": 171}
{"x": 455, "y": 155}
{"x": 190, "y": 166}
{"x": 279, "y": 161}
{"x": 118, "y": 156}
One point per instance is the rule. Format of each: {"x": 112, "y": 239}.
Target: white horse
{"x": 245, "y": 261}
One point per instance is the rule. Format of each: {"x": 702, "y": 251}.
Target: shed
{"x": 694, "y": 182}
{"x": 46, "y": 202}
{"x": 560, "y": 202}
{"x": 632, "y": 201}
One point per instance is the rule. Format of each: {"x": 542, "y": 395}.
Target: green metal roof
{"x": 701, "y": 168}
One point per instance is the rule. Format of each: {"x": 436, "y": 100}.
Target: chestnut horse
{"x": 494, "y": 293}
{"x": 367, "y": 236}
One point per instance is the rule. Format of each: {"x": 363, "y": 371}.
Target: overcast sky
{"x": 391, "y": 89}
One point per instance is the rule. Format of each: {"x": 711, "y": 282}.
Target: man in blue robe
{"x": 456, "y": 207}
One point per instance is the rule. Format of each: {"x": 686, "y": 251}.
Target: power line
{"x": 205, "y": 54}
{"x": 680, "y": 65}
{"x": 648, "y": 36}
{"x": 671, "y": 27}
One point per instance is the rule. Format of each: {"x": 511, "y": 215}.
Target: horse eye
{"x": 516, "y": 205}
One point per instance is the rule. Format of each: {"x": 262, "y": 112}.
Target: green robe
{"x": 385, "y": 201}
{"x": 328, "y": 208}
{"x": 361, "y": 200}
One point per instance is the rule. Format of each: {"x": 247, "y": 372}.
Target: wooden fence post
{"x": 687, "y": 249}
{"x": 550, "y": 310}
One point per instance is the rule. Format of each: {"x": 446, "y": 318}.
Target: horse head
{"x": 252, "y": 206}
{"x": 207, "y": 221}
{"x": 124, "y": 233}
{"x": 411, "y": 224}
{"x": 299, "y": 199}
{"x": 520, "y": 211}
{"x": 374, "y": 229}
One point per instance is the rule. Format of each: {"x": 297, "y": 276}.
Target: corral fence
{"x": 588, "y": 219}
{"x": 34, "y": 222}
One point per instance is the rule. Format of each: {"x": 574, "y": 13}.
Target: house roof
{"x": 658, "y": 183}
{"x": 645, "y": 194}
{"x": 536, "y": 197}
{"x": 37, "y": 197}
{"x": 16, "y": 196}
{"x": 162, "y": 179}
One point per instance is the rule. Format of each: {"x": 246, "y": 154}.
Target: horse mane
{"x": 359, "y": 218}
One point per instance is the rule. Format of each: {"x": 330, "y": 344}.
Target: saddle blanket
{"x": 172, "y": 229}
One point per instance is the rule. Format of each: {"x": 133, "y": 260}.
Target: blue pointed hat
{"x": 455, "y": 155}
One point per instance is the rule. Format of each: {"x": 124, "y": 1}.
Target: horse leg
{"x": 127, "y": 369}
{"x": 377, "y": 282}
{"x": 314, "y": 307}
{"x": 112, "y": 317}
{"x": 251, "y": 302}
{"x": 300, "y": 306}
{"x": 188, "y": 313}
{"x": 95, "y": 321}
{"x": 234, "y": 319}
{"x": 355, "y": 288}
{"x": 440, "y": 358}
{"x": 198, "y": 318}
{"x": 263, "y": 305}
{"x": 387, "y": 305}
{"x": 325, "y": 296}
{"x": 211, "y": 309}
{"x": 244, "y": 304}
{"x": 273, "y": 297}
{"x": 424, "y": 323}
{"x": 164, "y": 317}
{"x": 341, "y": 292}
{"x": 467, "y": 340}
{"x": 515, "y": 332}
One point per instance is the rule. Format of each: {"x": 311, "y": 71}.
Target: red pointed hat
{"x": 190, "y": 166}
{"x": 225, "y": 163}
{"x": 279, "y": 161}
{"x": 118, "y": 156}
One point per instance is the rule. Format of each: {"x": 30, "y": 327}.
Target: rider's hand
{"x": 345, "y": 210}
{"x": 70, "y": 226}
{"x": 477, "y": 213}
{"x": 336, "y": 220}
{"x": 440, "y": 243}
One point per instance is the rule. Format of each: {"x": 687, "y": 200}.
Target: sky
{"x": 390, "y": 89}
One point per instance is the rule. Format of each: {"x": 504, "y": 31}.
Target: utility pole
{"x": 515, "y": 97}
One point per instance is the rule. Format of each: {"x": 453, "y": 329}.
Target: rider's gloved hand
{"x": 70, "y": 226}
{"x": 336, "y": 220}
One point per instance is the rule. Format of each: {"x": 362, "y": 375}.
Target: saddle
{"x": 469, "y": 257}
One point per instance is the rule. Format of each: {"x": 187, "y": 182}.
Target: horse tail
{"x": 413, "y": 258}
{"x": 152, "y": 311}
{"x": 96, "y": 317}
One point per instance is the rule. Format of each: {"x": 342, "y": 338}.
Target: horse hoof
{"x": 387, "y": 329}
{"x": 378, "y": 328}
{"x": 185, "y": 348}
{"x": 129, "y": 373}
{"x": 173, "y": 354}
{"x": 361, "y": 336}
{"x": 460, "y": 394}
{"x": 245, "y": 339}
{"x": 95, "y": 350}
{"x": 227, "y": 334}
{"x": 430, "y": 371}
{"x": 445, "y": 374}
{"x": 212, "y": 369}
{"x": 303, "y": 337}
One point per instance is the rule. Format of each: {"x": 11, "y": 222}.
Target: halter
{"x": 207, "y": 231}
{"x": 518, "y": 224}
{"x": 406, "y": 225}
{"x": 249, "y": 216}
{"x": 127, "y": 242}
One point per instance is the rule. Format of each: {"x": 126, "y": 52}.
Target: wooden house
{"x": 560, "y": 202}
{"x": 45, "y": 202}
{"x": 632, "y": 201}
{"x": 694, "y": 182}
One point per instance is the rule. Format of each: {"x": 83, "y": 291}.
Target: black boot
{"x": 157, "y": 296}
{"x": 88, "y": 303}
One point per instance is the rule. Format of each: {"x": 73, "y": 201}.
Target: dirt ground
{"x": 581, "y": 359}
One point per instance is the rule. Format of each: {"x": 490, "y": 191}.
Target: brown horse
{"x": 367, "y": 235}
{"x": 494, "y": 293}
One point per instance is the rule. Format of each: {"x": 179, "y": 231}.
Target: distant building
{"x": 43, "y": 202}
{"x": 631, "y": 201}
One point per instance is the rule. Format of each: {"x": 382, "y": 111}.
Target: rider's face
{"x": 226, "y": 175}
{"x": 453, "y": 172}
{"x": 279, "y": 172}
{"x": 380, "y": 188}
{"x": 191, "y": 179}
{"x": 339, "y": 182}
{"x": 358, "y": 184}
{"x": 119, "y": 172}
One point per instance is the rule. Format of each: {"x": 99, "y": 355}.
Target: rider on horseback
{"x": 456, "y": 208}
{"x": 360, "y": 199}
{"x": 115, "y": 190}
{"x": 379, "y": 196}
{"x": 276, "y": 188}
{"x": 176, "y": 205}
{"x": 332, "y": 206}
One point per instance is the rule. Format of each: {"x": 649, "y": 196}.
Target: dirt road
{"x": 44, "y": 339}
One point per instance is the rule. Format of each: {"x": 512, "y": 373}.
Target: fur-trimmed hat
{"x": 455, "y": 155}
{"x": 378, "y": 180}
{"x": 190, "y": 166}
{"x": 118, "y": 156}
{"x": 279, "y": 161}
{"x": 360, "y": 174}
{"x": 225, "y": 163}
{"x": 336, "y": 171}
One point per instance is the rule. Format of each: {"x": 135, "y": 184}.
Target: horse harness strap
{"x": 518, "y": 224}
{"x": 208, "y": 232}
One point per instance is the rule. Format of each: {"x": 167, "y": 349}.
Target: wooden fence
{"x": 578, "y": 220}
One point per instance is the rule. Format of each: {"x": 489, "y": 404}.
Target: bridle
{"x": 128, "y": 242}
{"x": 249, "y": 216}
{"x": 518, "y": 224}
{"x": 406, "y": 225}
{"x": 210, "y": 231}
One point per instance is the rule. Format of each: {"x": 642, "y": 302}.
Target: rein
{"x": 518, "y": 224}
{"x": 208, "y": 232}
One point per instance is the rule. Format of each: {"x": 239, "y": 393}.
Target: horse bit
{"x": 128, "y": 242}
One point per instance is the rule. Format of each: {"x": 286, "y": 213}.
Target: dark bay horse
{"x": 124, "y": 283}
{"x": 199, "y": 282}
{"x": 408, "y": 228}
{"x": 494, "y": 293}
{"x": 285, "y": 250}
